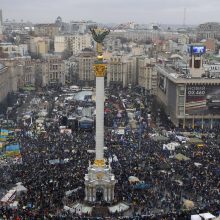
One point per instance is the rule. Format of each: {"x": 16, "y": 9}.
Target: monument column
{"x": 99, "y": 174}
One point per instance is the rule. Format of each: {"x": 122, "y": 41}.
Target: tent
{"x": 181, "y": 157}
{"x": 120, "y": 207}
{"x": 207, "y": 216}
{"x": 188, "y": 204}
{"x": 141, "y": 185}
{"x": 120, "y": 131}
{"x": 13, "y": 147}
{"x": 133, "y": 179}
{"x": 86, "y": 123}
{"x": 19, "y": 188}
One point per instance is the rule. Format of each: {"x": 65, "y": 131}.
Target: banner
{"x": 202, "y": 99}
{"x": 4, "y": 132}
{"x": 12, "y": 147}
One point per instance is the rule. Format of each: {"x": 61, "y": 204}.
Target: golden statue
{"x": 99, "y": 35}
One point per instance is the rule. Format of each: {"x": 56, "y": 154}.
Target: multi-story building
{"x": 86, "y": 60}
{"x": 190, "y": 98}
{"x": 121, "y": 69}
{"x": 61, "y": 43}
{"x": 4, "y": 82}
{"x": 72, "y": 70}
{"x": 1, "y": 23}
{"x": 147, "y": 77}
{"x": 39, "y": 46}
{"x": 80, "y": 26}
{"x": 115, "y": 69}
{"x": 27, "y": 67}
{"x": 49, "y": 30}
{"x": 208, "y": 30}
{"x": 212, "y": 70}
{"x": 8, "y": 81}
{"x": 75, "y": 43}
{"x": 53, "y": 71}
{"x": 9, "y": 50}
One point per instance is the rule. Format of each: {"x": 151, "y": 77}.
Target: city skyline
{"x": 142, "y": 11}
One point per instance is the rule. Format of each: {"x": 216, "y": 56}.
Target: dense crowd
{"x": 54, "y": 163}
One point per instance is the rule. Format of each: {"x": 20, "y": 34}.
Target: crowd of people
{"x": 54, "y": 163}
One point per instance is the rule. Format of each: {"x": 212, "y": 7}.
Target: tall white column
{"x": 99, "y": 118}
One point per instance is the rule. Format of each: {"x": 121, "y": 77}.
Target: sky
{"x": 113, "y": 11}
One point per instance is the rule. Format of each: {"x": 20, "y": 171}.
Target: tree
{"x": 66, "y": 54}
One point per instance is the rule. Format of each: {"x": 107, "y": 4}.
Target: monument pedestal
{"x": 99, "y": 184}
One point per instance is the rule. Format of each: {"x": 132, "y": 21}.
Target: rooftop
{"x": 181, "y": 75}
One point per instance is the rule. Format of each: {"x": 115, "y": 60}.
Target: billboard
{"x": 196, "y": 49}
{"x": 202, "y": 99}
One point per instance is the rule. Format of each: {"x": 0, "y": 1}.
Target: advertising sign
{"x": 203, "y": 99}
{"x": 196, "y": 49}
{"x": 162, "y": 83}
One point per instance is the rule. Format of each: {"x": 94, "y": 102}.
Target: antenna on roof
{"x": 184, "y": 17}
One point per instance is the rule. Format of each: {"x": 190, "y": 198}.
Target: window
{"x": 181, "y": 100}
{"x": 181, "y": 90}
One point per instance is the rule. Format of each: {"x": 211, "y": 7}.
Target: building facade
{"x": 49, "y": 30}
{"x": 190, "y": 102}
{"x": 86, "y": 60}
{"x": 72, "y": 70}
{"x": 53, "y": 71}
{"x": 74, "y": 43}
{"x": 147, "y": 77}
{"x": 39, "y": 46}
{"x": 208, "y": 30}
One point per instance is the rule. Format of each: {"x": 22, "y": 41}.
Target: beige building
{"x": 5, "y": 86}
{"x": 86, "y": 60}
{"x": 27, "y": 67}
{"x": 53, "y": 71}
{"x": 75, "y": 43}
{"x": 121, "y": 69}
{"x": 147, "y": 75}
{"x": 39, "y": 46}
{"x": 22, "y": 69}
{"x": 49, "y": 30}
{"x": 115, "y": 70}
{"x": 8, "y": 79}
{"x": 60, "y": 43}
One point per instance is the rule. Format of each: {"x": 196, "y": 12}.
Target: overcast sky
{"x": 113, "y": 11}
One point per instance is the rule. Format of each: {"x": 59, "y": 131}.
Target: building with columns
{"x": 121, "y": 69}
{"x": 209, "y": 30}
